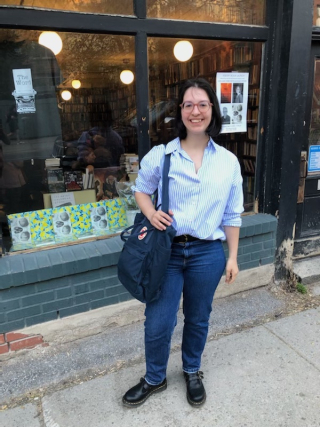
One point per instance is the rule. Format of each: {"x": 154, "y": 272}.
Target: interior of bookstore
{"x": 68, "y": 115}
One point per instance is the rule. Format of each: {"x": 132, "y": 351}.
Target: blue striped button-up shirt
{"x": 204, "y": 202}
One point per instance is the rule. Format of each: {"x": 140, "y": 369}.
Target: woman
{"x": 206, "y": 200}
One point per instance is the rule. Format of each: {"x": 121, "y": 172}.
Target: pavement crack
{"x": 292, "y": 348}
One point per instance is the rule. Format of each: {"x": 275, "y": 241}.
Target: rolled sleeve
{"x": 150, "y": 172}
{"x": 234, "y": 206}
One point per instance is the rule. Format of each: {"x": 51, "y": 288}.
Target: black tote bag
{"x": 146, "y": 252}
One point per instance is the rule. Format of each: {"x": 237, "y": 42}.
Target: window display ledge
{"x": 257, "y": 247}
{"x": 39, "y": 266}
{"x": 48, "y": 285}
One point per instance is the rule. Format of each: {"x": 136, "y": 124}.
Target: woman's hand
{"x": 232, "y": 270}
{"x": 161, "y": 220}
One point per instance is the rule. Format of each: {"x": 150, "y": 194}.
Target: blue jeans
{"x": 195, "y": 269}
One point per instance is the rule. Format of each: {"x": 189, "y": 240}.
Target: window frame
{"x": 142, "y": 27}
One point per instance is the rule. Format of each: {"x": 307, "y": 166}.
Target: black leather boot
{"x": 138, "y": 394}
{"x": 196, "y": 393}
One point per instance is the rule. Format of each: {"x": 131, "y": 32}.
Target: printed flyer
{"x": 24, "y": 93}
{"x": 232, "y": 92}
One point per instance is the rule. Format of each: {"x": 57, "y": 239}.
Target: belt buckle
{"x": 186, "y": 239}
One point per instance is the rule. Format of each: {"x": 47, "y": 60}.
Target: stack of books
{"x": 87, "y": 180}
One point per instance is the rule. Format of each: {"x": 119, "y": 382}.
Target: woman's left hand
{"x": 232, "y": 270}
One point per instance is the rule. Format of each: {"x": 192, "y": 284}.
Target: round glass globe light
{"x": 126, "y": 76}
{"x": 51, "y": 40}
{"x": 183, "y": 50}
{"x": 66, "y": 95}
{"x": 76, "y": 84}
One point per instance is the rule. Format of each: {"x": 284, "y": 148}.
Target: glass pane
{"x": 251, "y": 12}
{"x": 45, "y": 115}
{"x": 314, "y": 134}
{"x": 125, "y": 7}
{"x": 209, "y": 57}
{"x": 316, "y": 13}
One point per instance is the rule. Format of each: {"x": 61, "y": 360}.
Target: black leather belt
{"x": 185, "y": 238}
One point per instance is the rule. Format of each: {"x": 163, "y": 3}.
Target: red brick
{"x": 4, "y": 348}
{"x": 26, "y": 343}
{"x": 2, "y": 340}
{"x": 14, "y": 336}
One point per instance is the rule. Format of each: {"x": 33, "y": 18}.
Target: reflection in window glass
{"x": 316, "y": 13}
{"x": 209, "y": 57}
{"x": 314, "y": 134}
{"x": 125, "y": 7}
{"x": 72, "y": 106}
{"x": 251, "y": 12}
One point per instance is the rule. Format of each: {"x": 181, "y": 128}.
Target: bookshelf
{"x": 90, "y": 106}
{"x": 223, "y": 57}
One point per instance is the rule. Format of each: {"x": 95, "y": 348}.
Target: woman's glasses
{"x": 203, "y": 106}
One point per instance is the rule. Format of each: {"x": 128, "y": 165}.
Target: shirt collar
{"x": 174, "y": 145}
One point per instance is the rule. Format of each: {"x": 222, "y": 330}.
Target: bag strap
{"x": 165, "y": 184}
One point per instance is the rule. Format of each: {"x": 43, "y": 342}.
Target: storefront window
{"x": 314, "y": 134}
{"x": 125, "y": 7}
{"x": 66, "y": 120}
{"x": 238, "y": 88}
{"x": 316, "y": 13}
{"x": 250, "y": 12}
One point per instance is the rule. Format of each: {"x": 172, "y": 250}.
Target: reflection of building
{"x": 143, "y": 112}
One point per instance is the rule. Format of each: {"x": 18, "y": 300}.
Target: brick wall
{"x": 53, "y": 299}
{"x": 48, "y": 285}
{"x": 13, "y": 341}
{"x": 257, "y": 241}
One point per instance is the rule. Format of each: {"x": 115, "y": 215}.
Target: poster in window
{"x": 24, "y": 93}
{"x": 232, "y": 92}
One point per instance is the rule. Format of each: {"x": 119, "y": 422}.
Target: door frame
{"x": 315, "y": 54}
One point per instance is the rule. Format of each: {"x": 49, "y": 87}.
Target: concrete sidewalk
{"x": 266, "y": 376}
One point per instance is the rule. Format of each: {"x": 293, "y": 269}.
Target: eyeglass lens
{"x": 203, "y": 106}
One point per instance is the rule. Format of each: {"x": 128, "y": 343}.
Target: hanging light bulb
{"x": 126, "y": 76}
{"x": 183, "y": 50}
{"x": 51, "y": 40}
{"x": 76, "y": 84}
{"x": 66, "y": 95}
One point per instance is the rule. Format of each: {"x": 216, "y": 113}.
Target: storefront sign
{"x": 232, "y": 93}
{"x": 314, "y": 159}
{"x": 24, "y": 93}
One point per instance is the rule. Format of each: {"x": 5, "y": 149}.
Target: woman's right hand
{"x": 161, "y": 220}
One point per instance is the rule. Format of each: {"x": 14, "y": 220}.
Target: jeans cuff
{"x": 191, "y": 371}
{"x": 152, "y": 383}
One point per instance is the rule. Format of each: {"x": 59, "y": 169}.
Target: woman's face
{"x": 196, "y": 122}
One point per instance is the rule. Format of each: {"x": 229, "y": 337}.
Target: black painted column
{"x": 142, "y": 93}
{"x": 288, "y": 88}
